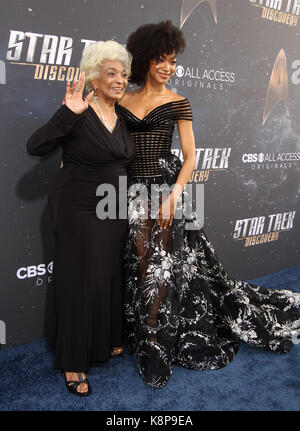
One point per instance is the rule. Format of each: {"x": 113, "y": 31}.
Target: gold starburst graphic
{"x": 278, "y": 86}
{"x": 188, "y": 6}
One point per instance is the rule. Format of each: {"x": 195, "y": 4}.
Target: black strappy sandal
{"x": 116, "y": 355}
{"x": 72, "y": 385}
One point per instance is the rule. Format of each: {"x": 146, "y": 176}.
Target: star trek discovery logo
{"x": 207, "y": 160}
{"x": 280, "y": 11}
{"x": 263, "y": 229}
{"x": 49, "y": 55}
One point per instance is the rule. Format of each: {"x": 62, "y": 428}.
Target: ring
{"x": 78, "y": 89}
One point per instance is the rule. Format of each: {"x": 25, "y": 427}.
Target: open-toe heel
{"x": 72, "y": 385}
{"x": 114, "y": 355}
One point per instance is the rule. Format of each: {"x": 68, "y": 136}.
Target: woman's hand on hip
{"x": 74, "y": 96}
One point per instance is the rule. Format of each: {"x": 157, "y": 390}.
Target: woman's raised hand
{"x": 74, "y": 95}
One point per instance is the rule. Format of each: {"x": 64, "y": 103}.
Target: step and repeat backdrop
{"x": 241, "y": 74}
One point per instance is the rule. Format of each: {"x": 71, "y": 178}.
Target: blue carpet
{"x": 255, "y": 381}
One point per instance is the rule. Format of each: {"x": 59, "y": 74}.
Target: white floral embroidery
{"x": 181, "y": 306}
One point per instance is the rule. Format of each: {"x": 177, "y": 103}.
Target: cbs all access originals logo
{"x": 206, "y": 78}
{"x": 50, "y": 56}
{"x": 193, "y": 76}
{"x": 271, "y": 160}
{"x": 40, "y": 274}
{"x": 279, "y": 11}
{"x": 263, "y": 229}
{"x": 207, "y": 160}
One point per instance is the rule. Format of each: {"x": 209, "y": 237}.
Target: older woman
{"x": 84, "y": 311}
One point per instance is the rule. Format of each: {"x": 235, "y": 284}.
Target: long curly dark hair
{"x": 150, "y": 41}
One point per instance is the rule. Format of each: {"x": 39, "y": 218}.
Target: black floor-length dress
{"x": 84, "y": 310}
{"x": 181, "y": 307}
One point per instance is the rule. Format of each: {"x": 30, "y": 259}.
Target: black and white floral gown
{"x": 180, "y": 305}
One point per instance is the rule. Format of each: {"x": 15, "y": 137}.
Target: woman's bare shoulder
{"x": 128, "y": 98}
{"x": 174, "y": 97}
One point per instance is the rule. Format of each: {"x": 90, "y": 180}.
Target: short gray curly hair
{"x": 96, "y": 53}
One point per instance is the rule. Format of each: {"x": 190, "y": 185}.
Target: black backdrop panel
{"x": 250, "y": 168}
